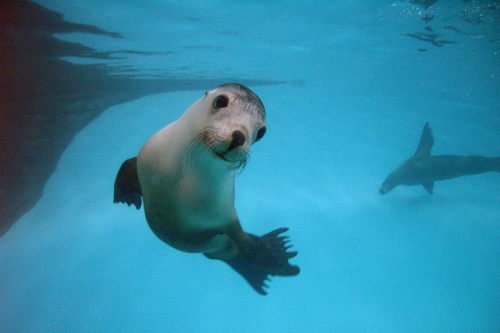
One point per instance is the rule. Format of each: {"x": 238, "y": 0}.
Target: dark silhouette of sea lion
{"x": 424, "y": 169}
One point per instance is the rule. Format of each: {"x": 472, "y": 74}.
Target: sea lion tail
{"x": 496, "y": 161}
{"x": 268, "y": 256}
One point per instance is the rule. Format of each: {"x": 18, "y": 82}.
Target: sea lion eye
{"x": 260, "y": 133}
{"x": 220, "y": 102}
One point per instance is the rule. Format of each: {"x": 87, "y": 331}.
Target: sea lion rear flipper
{"x": 263, "y": 256}
{"x": 254, "y": 274}
{"x": 127, "y": 186}
{"x": 426, "y": 141}
{"x": 429, "y": 186}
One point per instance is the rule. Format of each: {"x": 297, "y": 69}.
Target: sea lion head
{"x": 389, "y": 184}
{"x": 232, "y": 118}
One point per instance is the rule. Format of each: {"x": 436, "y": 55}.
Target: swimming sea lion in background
{"x": 185, "y": 175}
{"x": 424, "y": 169}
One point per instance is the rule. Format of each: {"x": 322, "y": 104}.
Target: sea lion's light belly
{"x": 189, "y": 213}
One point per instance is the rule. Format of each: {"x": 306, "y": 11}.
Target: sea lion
{"x": 185, "y": 175}
{"x": 424, "y": 169}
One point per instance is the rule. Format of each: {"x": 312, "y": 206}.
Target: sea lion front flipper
{"x": 426, "y": 142}
{"x": 127, "y": 186}
{"x": 429, "y": 186}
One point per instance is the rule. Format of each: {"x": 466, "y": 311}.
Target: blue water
{"x": 357, "y": 91}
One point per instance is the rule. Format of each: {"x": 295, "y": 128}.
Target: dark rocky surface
{"x": 46, "y": 101}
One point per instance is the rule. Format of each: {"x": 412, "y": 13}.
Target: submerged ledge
{"x": 45, "y": 101}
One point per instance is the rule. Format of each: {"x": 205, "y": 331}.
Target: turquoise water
{"x": 358, "y": 81}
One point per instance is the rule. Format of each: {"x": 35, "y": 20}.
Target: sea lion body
{"x": 185, "y": 200}
{"x": 185, "y": 175}
{"x": 424, "y": 169}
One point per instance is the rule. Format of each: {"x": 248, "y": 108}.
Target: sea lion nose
{"x": 238, "y": 140}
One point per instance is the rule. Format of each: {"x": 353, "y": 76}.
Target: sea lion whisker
{"x": 195, "y": 144}
{"x": 240, "y": 165}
